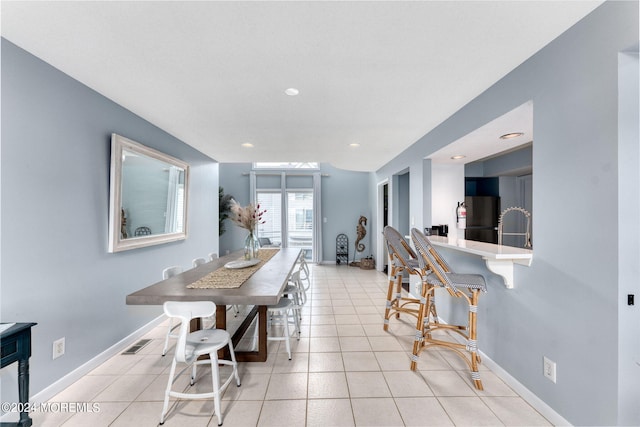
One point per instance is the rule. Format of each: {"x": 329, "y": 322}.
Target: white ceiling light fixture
{"x": 354, "y": 145}
{"x": 247, "y": 145}
{"x": 292, "y": 91}
{"x": 511, "y": 135}
{"x": 458, "y": 157}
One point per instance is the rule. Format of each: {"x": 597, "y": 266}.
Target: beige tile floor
{"x": 345, "y": 371}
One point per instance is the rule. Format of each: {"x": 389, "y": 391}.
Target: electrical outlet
{"x": 58, "y": 348}
{"x": 549, "y": 369}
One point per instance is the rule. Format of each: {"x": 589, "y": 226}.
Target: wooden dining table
{"x": 263, "y": 288}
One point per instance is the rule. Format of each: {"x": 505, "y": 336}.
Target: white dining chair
{"x": 192, "y": 345}
{"x": 296, "y": 291}
{"x": 167, "y": 273}
{"x": 303, "y": 268}
{"x": 278, "y": 315}
{"x": 198, "y": 261}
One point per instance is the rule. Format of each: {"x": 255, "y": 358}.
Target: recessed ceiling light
{"x": 292, "y": 91}
{"x": 247, "y": 145}
{"x": 458, "y": 157}
{"x": 511, "y": 135}
{"x": 354, "y": 144}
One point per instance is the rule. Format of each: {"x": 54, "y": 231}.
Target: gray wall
{"x": 565, "y": 306}
{"x": 55, "y": 200}
{"x": 345, "y": 196}
{"x": 404, "y": 212}
{"x": 629, "y": 238}
{"x": 517, "y": 162}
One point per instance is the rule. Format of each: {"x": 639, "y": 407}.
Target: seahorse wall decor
{"x": 361, "y": 231}
{"x": 123, "y": 225}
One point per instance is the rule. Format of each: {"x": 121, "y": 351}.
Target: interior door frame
{"x": 381, "y": 249}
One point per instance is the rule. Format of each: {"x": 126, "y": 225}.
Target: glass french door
{"x": 272, "y": 228}
{"x": 295, "y": 228}
{"x": 300, "y": 220}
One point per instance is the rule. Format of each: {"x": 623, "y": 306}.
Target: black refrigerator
{"x": 482, "y": 218}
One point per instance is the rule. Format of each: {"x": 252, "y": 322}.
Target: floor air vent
{"x": 136, "y": 347}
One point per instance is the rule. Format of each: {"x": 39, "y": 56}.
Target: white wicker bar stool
{"x": 402, "y": 259}
{"x": 465, "y": 286}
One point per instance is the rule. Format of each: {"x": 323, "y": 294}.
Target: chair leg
{"x": 420, "y": 325}
{"x": 165, "y": 406}
{"x": 390, "y": 298}
{"x": 431, "y": 312}
{"x": 472, "y": 345}
{"x": 298, "y": 306}
{"x": 297, "y": 321}
{"x": 166, "y": 339}
{"x": 285, "y": 321}
{"x": 193, "y": 374}
{"x": 398, "y": 297}
{"x": 232, "y": 353}
{"x": 432, "y": 309}
{"x": 215, "y": 379}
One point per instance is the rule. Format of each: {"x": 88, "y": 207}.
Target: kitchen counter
{"x": 499, "y": 258}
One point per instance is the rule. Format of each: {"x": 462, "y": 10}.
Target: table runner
{"x": 227, "y": 278}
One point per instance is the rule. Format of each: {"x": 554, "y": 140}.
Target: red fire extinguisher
{"x": 461, "y": 216}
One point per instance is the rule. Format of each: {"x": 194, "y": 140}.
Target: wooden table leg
{"x": 23, "y": 391}
{"x": 262, "y": 333}
{"x": 221, "y": 316}
{"x": 242, "y": 356}
{"x": 261, "y": 354}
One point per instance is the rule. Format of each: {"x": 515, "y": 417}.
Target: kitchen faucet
{"x": 527, "y": 235}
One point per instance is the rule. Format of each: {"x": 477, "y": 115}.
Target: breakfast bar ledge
{"x": 498, "y": 258}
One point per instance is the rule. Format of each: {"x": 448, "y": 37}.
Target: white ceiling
{"x": 485, "y": 141}
{"x": 213, "y": 74}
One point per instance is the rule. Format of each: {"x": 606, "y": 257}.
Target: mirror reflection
{"x": 152, "y": 196}
{"x": 148, "y": 196}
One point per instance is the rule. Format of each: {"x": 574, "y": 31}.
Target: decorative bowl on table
{"x": 242, "y": 263}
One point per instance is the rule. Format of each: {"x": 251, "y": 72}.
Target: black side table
{"x": 15, "y": 346}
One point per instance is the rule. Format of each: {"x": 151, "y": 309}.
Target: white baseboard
{"x": 538, "y": 404}
{"x": 330, "y": 262}
{"x": 73, "y": 376}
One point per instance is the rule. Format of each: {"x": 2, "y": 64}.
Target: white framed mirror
{"x": 148, "y": 196}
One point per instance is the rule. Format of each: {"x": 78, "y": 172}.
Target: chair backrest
{"x": 185, "y": 311}
{"x": 213, "y": 255}
{"x": 264, "y": 241}
{"x": 429, "y": 258}
{"x": 295, "y": 279}
{"x": 142, "y": 231}
{"x": 303, "y": 267}
{"x": 436, "y": 254}
{"x": 199, "y": 261}
{"x": 171, "y": 271}
{"x": 397, "y": 247}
